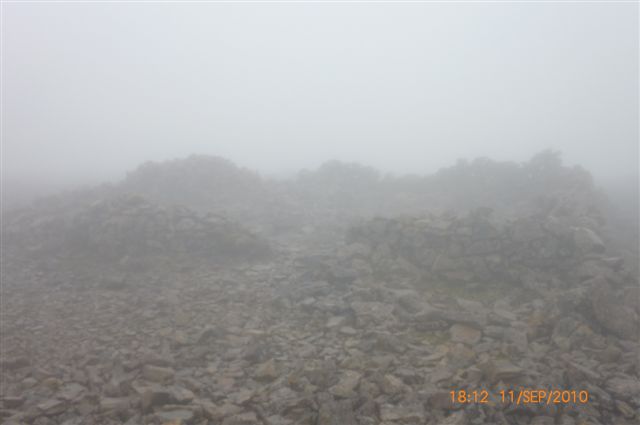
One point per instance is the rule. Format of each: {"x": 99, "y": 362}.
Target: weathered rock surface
{"x": 478, "y": 248}
{"x": 378, "y": 330}
{"x": 127, "y": 231}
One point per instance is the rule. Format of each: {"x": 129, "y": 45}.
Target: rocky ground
{"x": 374, "y": 326}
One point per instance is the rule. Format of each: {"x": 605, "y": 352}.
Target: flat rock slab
{"x": 465, "y": 334}
{"x": 157, "y": 374}
{"x": 408, "y": 413}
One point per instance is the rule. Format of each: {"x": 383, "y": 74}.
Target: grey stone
{"x": 465, "y": 334}
{"x": 157, "y": 374}
{"x": 406, "y": 413}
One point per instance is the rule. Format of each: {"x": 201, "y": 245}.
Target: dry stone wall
{"x": 475, "y": 247}
{"x": 129, "y": 227}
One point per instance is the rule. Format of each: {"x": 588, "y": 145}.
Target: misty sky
{"x": 91, "y": 90}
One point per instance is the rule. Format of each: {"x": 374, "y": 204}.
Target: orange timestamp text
{"x": 520, "y": 396}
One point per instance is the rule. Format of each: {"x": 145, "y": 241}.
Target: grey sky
{"x": 91, "y": 90}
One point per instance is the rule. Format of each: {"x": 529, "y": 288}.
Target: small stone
{"x": 246, "y": 418}
{"x": 456, "y": 418}
{"x": 71, "y": 391}
{"x": 241, "y": 397}
{"x": 216, "y": 413}
{"x": 14, "y": 363}
{"x": 347, "y": 384}
{"x": 440, "y": 399}
{"x": 518, "y": 338}
{"x": 181, "y": 395}
{"x": 335, "y": 321}
{"x": 408, "y": 413}
{"x": 587, "y": 241}
{"x": 154, "y": 396}
{"x": 118, "y": 404}
{"x": 500, "y": 370}
{"x": 52, "y": 383}
{"x": 12, "y": 402}
{"x": 613, "y": 262}
{"x": 181, "y": 416}
{"x": 180, "y": 338}
{"x": 543, "y": 420}
{"x": 460, "y": 356}
{"x": 29, "y": 382}
{"x": 267, "y": 371}
{"x": 392, "y": 385}
{"x": 626, "y": 410}
{"x": 52, "y": 407}
{"x": 624, "y": 387}
{"x": 157, "y": 374}
{"x": 208, "y": 334}
{"x": 349, "y": 331}
{"x": 465, "y": 334}
{"x": 332, "y": 412}
{"x": 372, "y": 312}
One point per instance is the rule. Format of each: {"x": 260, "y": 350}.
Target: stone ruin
{"x": 331, "y": 322}
{"x": 475, "y": 247}
{"x": 129, "y": 228}
{"x": 541, "y": 254}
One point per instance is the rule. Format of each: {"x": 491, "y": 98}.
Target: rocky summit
{"x": 149, "y": 303}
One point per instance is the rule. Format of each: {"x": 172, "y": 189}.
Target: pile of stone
{"x": 306, "y": 341}
{"x": 128, "y": 227}
{"x": 201, "y": 182}
{"x": 541, "y": 185}
{"x": 213, "y": 184}
{"x": 478, "y": 248}
{"x": 377, "y": 330}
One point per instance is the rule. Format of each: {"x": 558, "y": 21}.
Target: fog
{"x": 91, "y": 90}
{"x": 308, "y": 213}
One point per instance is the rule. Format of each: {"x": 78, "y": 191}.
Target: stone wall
{"x": 478, "y": 248}
{"x": 128, "y": 227}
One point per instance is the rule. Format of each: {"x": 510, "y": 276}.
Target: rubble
{"x": 478, "y": 248}
{"x": 126, "y": 231}
{"x": 378, "y": 327}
